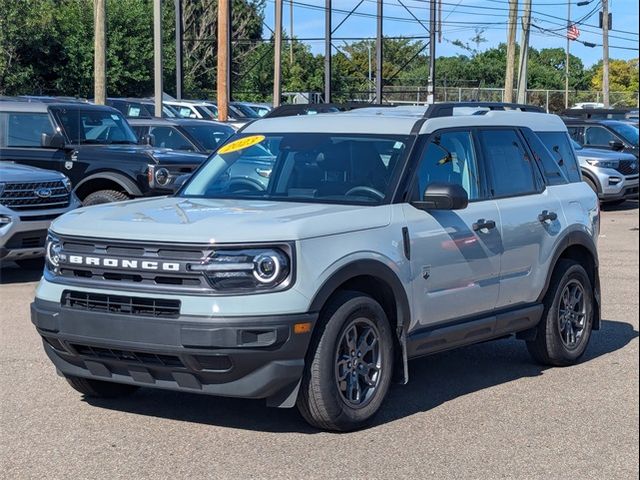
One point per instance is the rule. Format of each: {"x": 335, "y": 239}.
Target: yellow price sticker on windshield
{"x": 241, "y": 144}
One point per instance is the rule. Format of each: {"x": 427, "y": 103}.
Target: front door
{"x": 455, "y": 255}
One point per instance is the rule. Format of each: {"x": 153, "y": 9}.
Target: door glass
{"x": 510, "y": 167}
{"x": 449, "y": 158}
{"x": 597, "y": 136}
{"x": 168, "y": 137}
{"x": 559, "y": 145}
{"x": 574, "y": 133}
{"x": 26, "y": 129}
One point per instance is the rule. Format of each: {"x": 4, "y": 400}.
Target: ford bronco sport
{"x": 375, "y": 239}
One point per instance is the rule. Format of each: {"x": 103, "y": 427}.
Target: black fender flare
{"x": 586, "y": 173}
{"x": 125, "y": 182}
{"x": 382, "y": 272}
{"x": 582, "y": 239}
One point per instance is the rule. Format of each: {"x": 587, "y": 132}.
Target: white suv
{"x": 373, "y": 237}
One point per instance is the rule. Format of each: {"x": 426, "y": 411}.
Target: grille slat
{"x": 23, "y": 196}
{"x": 119, "y": 304}
{"x": 627, "y": 167}
{"x": 129, "y": 356}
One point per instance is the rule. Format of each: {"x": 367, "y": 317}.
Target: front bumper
{"x": 614, "y": 185}
{"x": 250, "y": 357}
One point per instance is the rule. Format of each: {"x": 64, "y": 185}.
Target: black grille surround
{"x": 625, "y": 167}
{"x": 121, "y": 304}
{"x": 24, "y": 196}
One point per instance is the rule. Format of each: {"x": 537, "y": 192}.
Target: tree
{"x": 623, "y": 76}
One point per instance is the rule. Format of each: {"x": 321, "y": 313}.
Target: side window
{"x": 25, "y": 129}
{"x": 597, "y": 136}
{"x": 574, "y": 133}
{"x": 168, "y": 137}
{"x": 139, "y": 130}
{"x": 559, "y": 145}
{"x": 510, "y": 169}
{"x": 449, "y": 158}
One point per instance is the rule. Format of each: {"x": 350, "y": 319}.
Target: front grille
{"x": 121, "y": 304}
{"x": 138, "y": 279}
{"x": 35, "y": 195}
{"x": 628, "y": 167}
{"x": 35, "y": 239}
{"x": 129, "y": 356}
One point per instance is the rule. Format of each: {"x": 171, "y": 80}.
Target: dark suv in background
{"x": 615, "y": 135}
{"x": 94, "y": 146}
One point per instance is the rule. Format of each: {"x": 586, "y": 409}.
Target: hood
{"x": 190, "y": 220}
{"x": 139, "y": 153}
{"x": 13, "y": 172}
{"x": 601, "y": 154}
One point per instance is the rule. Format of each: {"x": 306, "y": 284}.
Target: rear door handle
{"x": 546, "y": 215}
{"x": 483, "y": 224}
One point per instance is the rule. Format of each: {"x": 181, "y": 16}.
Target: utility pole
{"x": 157, "y": 57}
{"x": 327, "y": 51}
{"x": 566, "y": 62}
{"x": 605, "y": 53}
{"x": 223, "y": 60}
{"x": 277, "y": 46}
{"x": 431, "y": 93}
{"x": 524, "y": 53}
{"x": 291, "y": 32}
{"x": 512, "y": 30}
{"x": 100, "y": 48}
{"x": 379, "y": 55}
{"x": 179, "y": 55}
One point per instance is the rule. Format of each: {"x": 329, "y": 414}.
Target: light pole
{"x": 370, "y": 76}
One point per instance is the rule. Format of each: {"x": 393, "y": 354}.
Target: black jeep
{"x": 94, "y": 146}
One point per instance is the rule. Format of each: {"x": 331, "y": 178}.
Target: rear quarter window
{"x": 558, "y": 144}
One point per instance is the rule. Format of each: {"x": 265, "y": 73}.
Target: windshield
{"x": 245, "y": 110}
{"x": 626, "y": 131}
{"x": 205, "y": 112}
{"x": 89, "y": 126}
{"x": 308, "y": 167}
{"x": 209, "y": 136}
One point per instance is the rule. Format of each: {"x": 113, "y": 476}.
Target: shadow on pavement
{"x": 628, "y": 205}
{"x": 15, "y": 274}
{"x": 433, "y": 381}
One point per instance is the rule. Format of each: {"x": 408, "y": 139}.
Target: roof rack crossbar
{"x": 446, "y": 109}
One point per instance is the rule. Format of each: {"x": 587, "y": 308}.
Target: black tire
{"x": 31, "y": 263}
{"x": 99, "y": 388}
{"x": 591, "y": 184}
{"x": 550, "y": 346}
{"x": 104, "y": 196}
{"x": 321, "y": 401}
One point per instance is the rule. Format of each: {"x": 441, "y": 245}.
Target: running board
{"x": 452, "y": 335}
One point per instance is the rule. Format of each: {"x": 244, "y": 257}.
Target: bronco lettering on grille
{"x": 124, "y": 263}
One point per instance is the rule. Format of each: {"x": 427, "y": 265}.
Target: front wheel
{"x": 104, "y": 196}
{"x": 565, "y": 328}
{"x": 349, "y": 366}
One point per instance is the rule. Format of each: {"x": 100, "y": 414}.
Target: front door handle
{"x": 546, "y": 215}
{"x": 483, "y": 224}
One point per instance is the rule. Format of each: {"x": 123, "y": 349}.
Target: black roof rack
{"x": 595, "y": 113}
{"x": 446, "y": 109}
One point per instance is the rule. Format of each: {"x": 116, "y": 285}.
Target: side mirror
{"x": 443, "y": 196}
{"x": 616, "y": 145}
{"x": 148, "y": 139}
{"x": 52, "y": 141}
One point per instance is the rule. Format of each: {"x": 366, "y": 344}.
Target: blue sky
{"x": 461, "y": 17}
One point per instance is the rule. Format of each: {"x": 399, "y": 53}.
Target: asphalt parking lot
{"x": 484, "y": 411}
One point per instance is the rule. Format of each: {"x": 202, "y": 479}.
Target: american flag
{"x": 572, "y": 32}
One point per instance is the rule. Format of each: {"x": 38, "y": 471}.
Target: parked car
{"x": 205, "y": 110}
{"x": 612, "y": 175}
{"x": 260, "y": 108}
{"x": 377, "y": 239}
{"x": 596, "y": 113}
{"x": 92, "y": 145}
{"x": 604, "y": 134}
{"x": 136, "y": 108}
{"x": 30, "y": 198}
{"x": 202, "y": 136}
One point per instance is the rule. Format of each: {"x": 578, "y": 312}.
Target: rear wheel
{"x": 104, "y": 196}
{"x": 99, "y": 388}
{"x": 349, "y": 366}
{"x": 565, "y": 328}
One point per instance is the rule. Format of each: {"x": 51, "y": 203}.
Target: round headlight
{"x": 53, "y": 251}
{"x": 162, "y": 176}
{"x": 266, "y": 267}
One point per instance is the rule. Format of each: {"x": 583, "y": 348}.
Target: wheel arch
{"x": 106, "y": 181}
{"x": 377, "y": 280}
{"x": 580, "y": 247}
{"x": 587, "y": 174}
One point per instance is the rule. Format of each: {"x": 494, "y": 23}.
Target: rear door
{"x": 531, "y": 216}
{"x": 21, "y": 137}
{"x": 455, "y": 255}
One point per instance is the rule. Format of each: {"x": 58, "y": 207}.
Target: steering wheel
{"x": 370, "y": 191}
{"x": 238, "y": 185}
